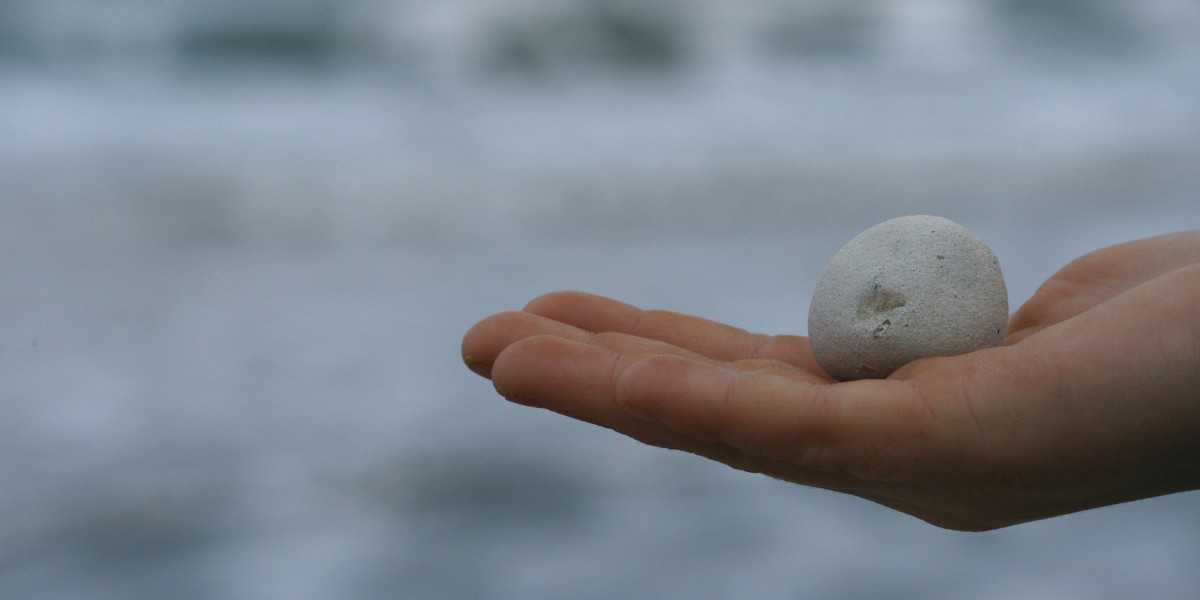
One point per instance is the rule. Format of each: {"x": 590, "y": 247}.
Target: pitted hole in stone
{"x": 883, "y": 327}
{"x": 875, "y": 309}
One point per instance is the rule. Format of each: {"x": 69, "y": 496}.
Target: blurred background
{"x": 240, "y": 242}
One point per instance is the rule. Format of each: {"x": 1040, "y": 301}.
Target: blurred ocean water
{"x": 240, "y": 242}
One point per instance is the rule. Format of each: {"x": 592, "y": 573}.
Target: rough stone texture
{"x": 908, "y": 288}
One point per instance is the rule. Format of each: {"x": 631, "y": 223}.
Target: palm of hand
{"x": 1090, "y": 401}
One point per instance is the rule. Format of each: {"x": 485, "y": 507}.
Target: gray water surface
{"x": 240, "y": 245}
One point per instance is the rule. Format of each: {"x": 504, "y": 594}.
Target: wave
{"x": 785, "y": 111}
{"x": 539, "y": 36}
{"x": 286, "y": 205}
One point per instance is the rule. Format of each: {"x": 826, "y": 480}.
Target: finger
{"x": 578, "y": 380}
{"x": 484, "y": 342}
{"x": 709, "y": 338}
{"x": 1092, "y": 279}
{"x": 1135, "y": 354}
{"x": 576, "y": 377}
{"x": 634, "y": 346}
{"x": 868, "y": 429}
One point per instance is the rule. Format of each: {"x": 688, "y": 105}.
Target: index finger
{"x": 709, "y": 338}
{"x": 884, "y": 431}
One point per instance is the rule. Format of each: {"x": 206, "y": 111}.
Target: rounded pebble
{"x": 908, "y": 288}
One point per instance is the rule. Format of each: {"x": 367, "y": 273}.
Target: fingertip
{"x": 551, "y": 302}
{"x": 540, "y": 366}
{"x": 581, "y": 309}
{"x": 507, "y": 361}
{"x": 469, "y": 353}
{"x": 477, "y": 366}
{"x": 523, "y": 401}
{"x": 486, "y": 339}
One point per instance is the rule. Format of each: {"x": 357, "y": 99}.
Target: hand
{"x": 1093, "y": 399}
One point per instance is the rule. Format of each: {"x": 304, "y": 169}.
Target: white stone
{"x": 908, "y": 288}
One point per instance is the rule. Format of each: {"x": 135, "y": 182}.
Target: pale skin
{"x": 1092, "y": 400}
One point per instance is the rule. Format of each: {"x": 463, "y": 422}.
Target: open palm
{"x": 1093, "y": 399}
